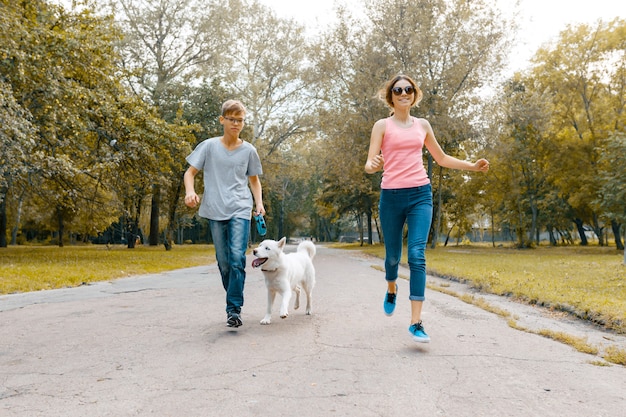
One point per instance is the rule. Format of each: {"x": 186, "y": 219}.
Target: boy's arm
{"x": 191, "y": 198}
{"x": 257, "y": 193}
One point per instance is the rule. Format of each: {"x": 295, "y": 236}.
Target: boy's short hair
{"x": 233, "y": 106}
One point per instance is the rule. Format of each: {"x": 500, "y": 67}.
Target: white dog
{"x": 285, "y": 273}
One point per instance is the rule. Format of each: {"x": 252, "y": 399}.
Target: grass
{"x": 610, "y": 353}
{"x": 588, "y": 282}
{"x": 576, "y": 275}
{"x": 33, "y": 268}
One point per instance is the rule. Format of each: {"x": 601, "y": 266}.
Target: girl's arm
{"x": 446, "y": 160}
{"x": 375, "y": 161}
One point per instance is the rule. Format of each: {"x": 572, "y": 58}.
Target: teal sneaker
{"x": 418, "y": 333}
{"x": 390, "y": 302}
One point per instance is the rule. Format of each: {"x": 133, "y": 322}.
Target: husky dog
{"x": 284, "y": 273}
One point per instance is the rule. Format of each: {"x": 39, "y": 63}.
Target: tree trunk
{"x": 133, "y": 226}
{"x": 553, "y": 241}
{"x": 598, "y": 230}
{"x": 359, "y": 223}
{"x": 61, "y": 226}
{"x": 445, "y": 244}
{"x": 154, "y": 215}
{"x": 581, "y": 232}
{"x": 169, "y": 230}
{"x": 534, "y": 229}
{"x": 615, "y": 226}
{"x": 493, "y": 230}
{"x": 18, "y": 219}
{"x": 3, "y": 218}
{"x": 370, "y": 235}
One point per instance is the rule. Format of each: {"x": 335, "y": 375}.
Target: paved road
{"x": 158, "y": 346}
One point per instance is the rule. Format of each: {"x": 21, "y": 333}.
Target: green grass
{"x": 32, "y": 268}
{"x": 551, "y": 267}
{"x": 588, "y": 282}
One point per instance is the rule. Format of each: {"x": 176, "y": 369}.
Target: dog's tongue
{"x": 257, "y": 262}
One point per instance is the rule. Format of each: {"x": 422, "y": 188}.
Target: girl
{"x": 406, "y": 196}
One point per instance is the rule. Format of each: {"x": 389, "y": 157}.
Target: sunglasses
{"x": 398, "y": 90}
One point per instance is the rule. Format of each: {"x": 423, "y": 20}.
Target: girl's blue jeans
{"x": 413, "y": 207}
{"x": 230, "y": 238}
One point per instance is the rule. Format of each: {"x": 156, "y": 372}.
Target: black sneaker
{"x": 234, "y": 320}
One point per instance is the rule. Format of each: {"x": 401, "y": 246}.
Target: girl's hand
{"x": 378, "y": 162}
{"x": 481, "y": 165}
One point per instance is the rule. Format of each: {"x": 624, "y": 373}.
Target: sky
{"x": 540, "y": 21}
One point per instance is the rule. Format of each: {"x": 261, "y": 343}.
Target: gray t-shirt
{"x": 226, "y": 191}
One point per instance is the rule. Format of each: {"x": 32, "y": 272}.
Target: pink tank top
{"x": 402, "y": 151}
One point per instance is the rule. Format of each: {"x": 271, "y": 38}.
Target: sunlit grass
{"x": 610, "y": 353}
{"x": 32, "y": 268}
{"x": 615, "y": 355}
{"x": 588, "y": 282}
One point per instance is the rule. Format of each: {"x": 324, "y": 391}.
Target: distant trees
{"x": 562, "y": 132}
{"x": 61, "y": 71}
{"x": 100, "y": 105}
{"x": 166, "y": 44}
{"x": 451, "y": 48}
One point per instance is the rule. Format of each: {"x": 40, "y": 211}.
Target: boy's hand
{"x": 192, "y": 200}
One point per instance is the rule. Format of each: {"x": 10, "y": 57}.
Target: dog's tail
{"x": 308, "y": 247}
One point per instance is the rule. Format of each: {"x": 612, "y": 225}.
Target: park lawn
{"x": 588, "y": 282}
{"x": 33, "y": 268}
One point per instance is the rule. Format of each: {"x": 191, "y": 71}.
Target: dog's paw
{"x": 308, "y": 312}
{"x": 266, "y": 320}
{"x": 284, "y": 315}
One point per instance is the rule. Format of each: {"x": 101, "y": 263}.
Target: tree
{"x": 523, "y": 152}
{"x": 67, "y": 103}
{"x": 79, "y": 108}
{"x": 452, "y": 48}
{"x": 167, "y": 43}
{"x": 16, "y": 141}
{"x": 268, "y": 67}
{"x": 612, "y": 193}
{"x": 584, "y": 74}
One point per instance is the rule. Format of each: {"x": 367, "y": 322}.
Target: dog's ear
{"x": 281, "y": 243}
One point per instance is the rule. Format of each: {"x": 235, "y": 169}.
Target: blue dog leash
{"x": 261, "y": 227}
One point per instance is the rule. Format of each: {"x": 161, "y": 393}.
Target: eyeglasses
{"x": 398, "y": 90}
{"x": 235, "y": 121}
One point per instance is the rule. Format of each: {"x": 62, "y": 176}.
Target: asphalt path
{"x": 157, "y": 345}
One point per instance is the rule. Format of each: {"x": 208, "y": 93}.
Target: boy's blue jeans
{"x": 413, "y": 206}
{"x": 230, "y": 238}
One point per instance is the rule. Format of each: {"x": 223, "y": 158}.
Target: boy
{"x": 228, "y": 164}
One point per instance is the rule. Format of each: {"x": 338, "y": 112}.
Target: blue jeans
{"x": 413, "y": 206}
{"x": 230, "y": 238}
